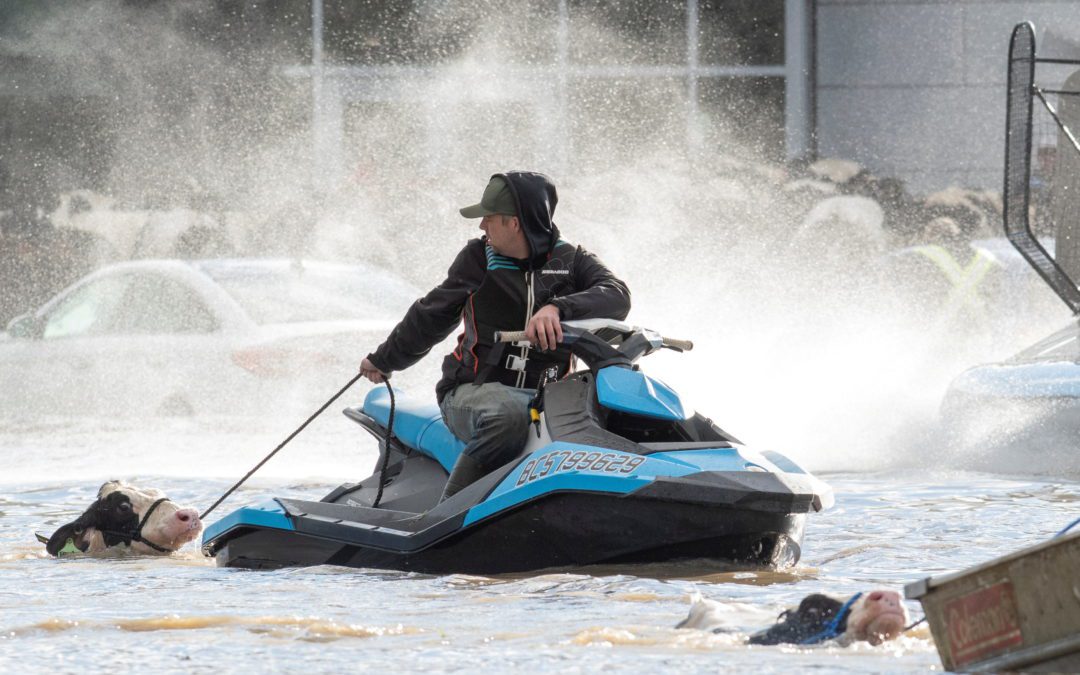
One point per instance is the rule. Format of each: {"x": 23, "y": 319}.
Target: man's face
{"x": 505, "y": 235}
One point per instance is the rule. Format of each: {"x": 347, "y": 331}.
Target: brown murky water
{"x": 183, "y": 614}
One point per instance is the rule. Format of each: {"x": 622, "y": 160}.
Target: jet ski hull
{"x": 557, "y": 531}
{"x": 617, "y": 469}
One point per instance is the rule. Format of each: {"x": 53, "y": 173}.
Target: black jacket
{"x": 486, "y": 292}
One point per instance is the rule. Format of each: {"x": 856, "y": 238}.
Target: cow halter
{"x": 832, "y": 629}
{"x": 137, "y": 534}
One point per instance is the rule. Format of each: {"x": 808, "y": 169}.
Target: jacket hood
{"x": 536, "y": 197}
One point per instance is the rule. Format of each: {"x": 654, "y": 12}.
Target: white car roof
{"x": 201, "y": 276}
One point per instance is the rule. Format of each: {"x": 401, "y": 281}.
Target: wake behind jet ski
{"x": 617, "y": 470}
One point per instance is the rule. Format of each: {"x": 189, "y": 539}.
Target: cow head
{"x": 877, "y": 616}
{"x": 132, "y": 519}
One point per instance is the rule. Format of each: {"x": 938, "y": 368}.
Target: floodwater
{"x": 183, "y": 614}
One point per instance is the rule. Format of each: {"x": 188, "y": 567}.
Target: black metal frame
{"x": 1020, "y": 95}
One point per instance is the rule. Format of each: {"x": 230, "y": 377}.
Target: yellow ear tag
{"x": 69, "y": 548}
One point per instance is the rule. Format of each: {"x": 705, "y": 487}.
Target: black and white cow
{"x": 873, "y": 617}
{"x": 127, "y": 519}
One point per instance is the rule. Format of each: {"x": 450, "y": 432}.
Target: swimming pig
{"x": 875, "y": 617}
{"x": 127, "y": 519}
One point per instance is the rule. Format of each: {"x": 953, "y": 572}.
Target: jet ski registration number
{"x": 562, "y": 461}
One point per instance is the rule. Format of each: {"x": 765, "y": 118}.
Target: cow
{"x": 126, "y": 519}
{"x": 873, "y": 617}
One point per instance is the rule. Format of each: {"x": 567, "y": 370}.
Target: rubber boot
{"x": 466, "y": 472}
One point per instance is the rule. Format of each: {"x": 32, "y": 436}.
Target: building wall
{"x": 917, "y": 89}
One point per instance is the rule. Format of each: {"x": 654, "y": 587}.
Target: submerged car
{"x": 230, "y": 336}
{"x": 1022, "y": 414}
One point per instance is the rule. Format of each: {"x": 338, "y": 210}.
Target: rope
{"x": 386, "y": 450}
{"x": 282, "y": 445}
{"x": 1068, "y": 527}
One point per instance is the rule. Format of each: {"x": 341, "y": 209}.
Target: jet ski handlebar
{"x": 678, "y": 345}
{"x": 510, "y": 336}
{"x": 519, "y": 336}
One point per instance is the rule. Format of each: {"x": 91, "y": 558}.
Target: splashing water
{"x": 800, "y": 347}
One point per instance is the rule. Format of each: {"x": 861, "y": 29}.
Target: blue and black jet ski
{"x": 617, "y": 470}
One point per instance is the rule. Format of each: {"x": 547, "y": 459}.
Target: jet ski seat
{"x": 417, "y": 423}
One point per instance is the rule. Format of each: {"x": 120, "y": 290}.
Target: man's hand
{"x": 368, "y": 370}
{"x": 544, "y": 328}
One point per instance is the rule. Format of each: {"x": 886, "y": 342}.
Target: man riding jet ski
{"x": 520, "y": 275}
{"x": 523, "y": 465}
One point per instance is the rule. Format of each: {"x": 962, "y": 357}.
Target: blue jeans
{"x": 492, "y": 419}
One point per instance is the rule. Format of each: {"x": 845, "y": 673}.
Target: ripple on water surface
{"x": 181, "y": 613}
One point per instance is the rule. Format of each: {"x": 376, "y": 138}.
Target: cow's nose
{"x": 890, "y": 598}
{"x": 187, "y": 515}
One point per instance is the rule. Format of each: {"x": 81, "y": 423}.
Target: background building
{"x": 917, "y": 89}
{"x": 158, "y": 101}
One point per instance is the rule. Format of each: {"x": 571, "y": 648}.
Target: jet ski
{"x": 617, "y": 469}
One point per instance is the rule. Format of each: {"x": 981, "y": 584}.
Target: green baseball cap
{"x": 497, "y": 199}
